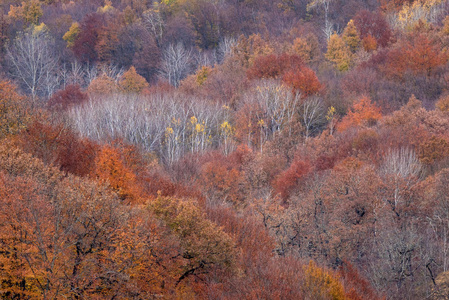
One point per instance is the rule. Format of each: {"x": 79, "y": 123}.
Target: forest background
{"x": 223, "y": 149}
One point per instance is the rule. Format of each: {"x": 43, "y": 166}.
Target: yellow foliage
{"x": 41, "y": 28}
{"x": 351, "y": 36}
{"x": 71, "y": 35}
{"x": 227, "y": 128}
{"x": 339, "y": 53}
{"x": 302, "y": 48}
{"x": 106, "y": 8}
{"x": 131, "y": 82}
{"x": 421, "y": 10}
{"x": 30, "y": 12}
{"x": 322, "y": 284}
{"x": 168, "y": 131}
{"x": 205, "y": 244}
{"x": 129, "y": 15}
{"x": 330, "y": 113}
{"x": 202, "y": 74}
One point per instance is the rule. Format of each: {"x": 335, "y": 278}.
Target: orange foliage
{"x": 247, "y": 129}
{"x": 221, "y": 182}
{"x": 363, "y": 112}
{"x": 419, "y": 56}
{"x": 392, "y": 5}
{"x": 110, "y": 168}
{"x": 356, "y": 287}
{"x": 287, "y": 180}
{"x": 290, "y": 68}
{"x": 206, "y": 246}
{"x": 102, "y": 85}
{"x": 273, "y": 66}
{"x": 304, "y": 81}
{"x": 60, "y": 234}
{"x": 107, "y": 40}
{"x": 369, "y": 43}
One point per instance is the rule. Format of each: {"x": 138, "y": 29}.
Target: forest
{"x": 224, "y": 149}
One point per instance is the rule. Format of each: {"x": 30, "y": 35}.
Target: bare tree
{"x": 76, "y": 74}
{"x": 33, "y": 62}
{"x": 169, "y": 125}
{"x": 154, "y": 23}
{"x": 225, "y": 47}
{"x": 401, "y": 170}
{"x": 311, "y": 112}
{"x": 278, "y": 105}
{"x": 176, "y": 63}
{"x": 327, "y": 28}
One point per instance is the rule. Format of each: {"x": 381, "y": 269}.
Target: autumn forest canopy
{"x": 224, "y": 149}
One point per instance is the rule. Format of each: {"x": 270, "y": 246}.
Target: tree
{"x": 206, "y": 247}
{"x": 71, "y": 35}
{"x": 14, "y": 114}
{"x": 338, "y": 53}
{"x": 60, "y": 147}
{"x": 311, "y": 114}
{"x": 30, "y": 12}
{"x": 66, "y": 237}
{"x": 322, "y": 284}
{"x": 131, "y": 82}
{"x": 155, "y": 23}
{"x": 33, "y": 62}
{"x": 286, "y": 181}
{"x": 443, "y": 103}
{"x": 327, "y": 29}
{"x": 423, "y": 56}
{"x": 307, "y": 48}
{"x": 402, "y": 169}
{"x": 67, "y": 98}
{"x": 375, "y": 25}
{"x": 176, "y": 63}
{"x": 85, "y": 45}
{"x": 274, "y": 66}
{"x": 103, "y": 85}
{"x": 303, "y": 81}
{"x": 110, "y": 168}
{"x": 222, "y": 182}
{"x": 351, "y": 36}
{"x": 363, "y": 112}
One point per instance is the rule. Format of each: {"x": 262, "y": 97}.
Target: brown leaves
{"x": 419, "y": 55}
{"x": 204, "y": 244}
{"x": 290, "y": 68}
{"x": 286, "y": 181}
{"x": 14, "y": 111}
{"x": 62, "y": 236}
{"x": 66, "y": 98}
